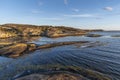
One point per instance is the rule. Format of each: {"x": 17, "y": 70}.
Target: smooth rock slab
{"x": 14, "y": 50}
{"x": 61, "y": 76}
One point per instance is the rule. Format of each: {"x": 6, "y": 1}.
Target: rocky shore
{"x": 18, "y": 49}
{"x": 66, "y": 73}
{"x": 15, "y": 30}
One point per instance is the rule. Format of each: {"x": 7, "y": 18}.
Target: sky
{"x": 84, "y": 14}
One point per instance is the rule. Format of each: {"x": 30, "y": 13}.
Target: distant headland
{"x": 15, "y": 30}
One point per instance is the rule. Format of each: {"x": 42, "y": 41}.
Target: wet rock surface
{"x": 58, "y": 72}
{"x": 57, "y": 76}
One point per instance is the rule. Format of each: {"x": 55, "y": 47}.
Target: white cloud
{"x": 81, "y": 16}
{"x": 75, "y": 10}
{"x": 108, "y": 8}
{"x": 66, "y": 2}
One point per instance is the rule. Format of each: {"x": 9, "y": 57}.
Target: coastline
{"x": 16, "y": 30}
{"x": 18, "y": 49}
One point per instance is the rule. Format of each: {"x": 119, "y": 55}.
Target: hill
{"x": 14, "y": 30}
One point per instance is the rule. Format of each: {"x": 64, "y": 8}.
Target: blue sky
{"x": 87, "y": 14}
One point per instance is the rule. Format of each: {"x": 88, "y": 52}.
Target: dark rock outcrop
{"x": 93, "y": 35}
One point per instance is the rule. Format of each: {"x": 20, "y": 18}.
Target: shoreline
{"x": 16, "y": 30}
{"x": 19, "y": 49}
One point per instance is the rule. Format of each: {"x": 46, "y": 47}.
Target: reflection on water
{"x": 103, "y": 59}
